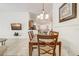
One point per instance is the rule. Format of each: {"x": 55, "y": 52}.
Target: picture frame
{"x": 16, "y": 26}
{"x": 32, "y": 26}
{"x": 67, "y": 11}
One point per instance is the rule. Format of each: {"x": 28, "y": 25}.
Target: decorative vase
{"x": 16, "y": 34}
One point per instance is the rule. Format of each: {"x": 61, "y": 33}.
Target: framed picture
{"x": 67, "y": 11}
{"x": 16, "y": 26}
{"x": 32, "y": 26}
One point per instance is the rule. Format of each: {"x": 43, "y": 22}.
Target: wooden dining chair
{"x": 32, "y": 39}
{"x": 31, "y": 35}
{"x": 47, "y": 44}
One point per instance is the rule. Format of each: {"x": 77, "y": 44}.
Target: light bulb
{"x": 46, "y": 16}
{"x": 38, "y": 16}
{"x": 41, "y": 16}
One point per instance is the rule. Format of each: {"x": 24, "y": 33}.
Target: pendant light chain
{"x": 43, "y": 15}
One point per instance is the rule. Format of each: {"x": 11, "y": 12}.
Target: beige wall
{"x": 69, "y": 30}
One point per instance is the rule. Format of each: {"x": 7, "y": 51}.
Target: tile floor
{"x": 20, "y": 48}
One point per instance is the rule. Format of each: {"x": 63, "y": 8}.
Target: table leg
{"x": 30, "y": 49}
{"x": 59, "y": 48}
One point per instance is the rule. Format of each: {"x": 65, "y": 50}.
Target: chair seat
{"x": 34, "y": 39}
{"x": 42, "y": 40}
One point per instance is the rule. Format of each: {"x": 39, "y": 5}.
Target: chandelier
{"x": 43, "y": 15}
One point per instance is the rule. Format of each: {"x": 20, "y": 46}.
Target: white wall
{"x": 6, "y": 18}
{"x": 69, "y": 30}
{"x": 15, "y": 45}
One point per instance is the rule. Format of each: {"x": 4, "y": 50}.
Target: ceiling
{"x": 24, "y": 7}
{"x": 27, "y": 7}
